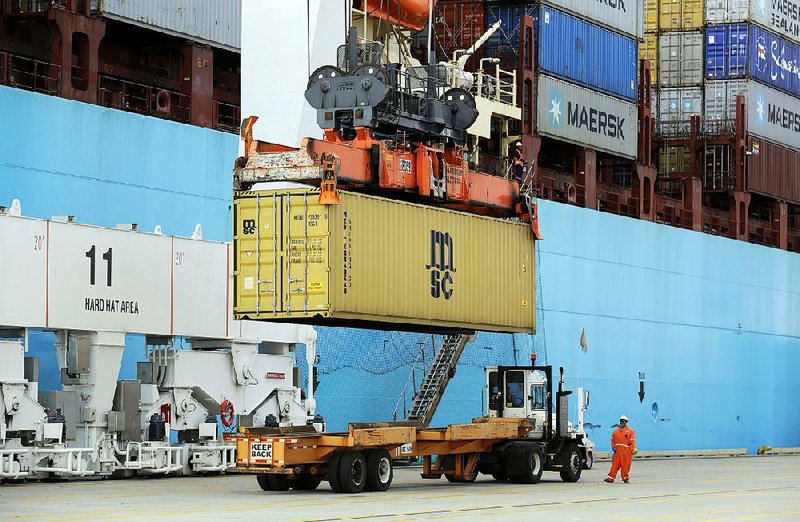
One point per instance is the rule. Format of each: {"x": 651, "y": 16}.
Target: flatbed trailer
{"x": 362, "y": 458}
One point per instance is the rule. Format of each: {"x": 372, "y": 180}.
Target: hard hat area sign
{"x": 107, "y": 279}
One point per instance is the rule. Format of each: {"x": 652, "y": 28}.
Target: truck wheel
{"x": 263, "y": 482}
{"x": 572, "y": 469}
{"x": 306, "y": 482}
{"x": 589, "y": 461}
{"x": 352, "y": 472}
{"x": 380, "y": 470}
{"x": 279, "y": 482}
{"x": 499, "y": 474}
{"x": 533, "y": 463}
{"x": 333, "y": 472}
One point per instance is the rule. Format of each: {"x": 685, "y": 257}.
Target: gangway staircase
{"x": 435, "y": 382}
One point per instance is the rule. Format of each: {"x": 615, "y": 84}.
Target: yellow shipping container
{"x": 648, "y": 50}
{"x": 681, "y": 15}
{"x": 650, "y": 16}
{"x": 371, "y": 261}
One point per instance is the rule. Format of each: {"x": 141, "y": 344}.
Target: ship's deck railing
{"x": 616, "y": 200}
{"x": 227, "y": 116}
{"x": 761, "y": 233}
{"x": 32, "y": 7}
{"x": 500, "y": 87}
{"x": 29, "y": 74}
{"x": 675, "y": 129}
{"x": 670, "y": 211}
{"x": 718, "y": 222}
{"x": 145, "y": 99}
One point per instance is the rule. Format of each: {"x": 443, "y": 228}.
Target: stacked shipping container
{"x": 707, "y": 53}
{"x": 586, "y": 56}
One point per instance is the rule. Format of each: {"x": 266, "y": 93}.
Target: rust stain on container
{"x": 379, "y": 263}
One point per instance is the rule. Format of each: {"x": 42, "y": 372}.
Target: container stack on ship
{"x": 725, "y": 167}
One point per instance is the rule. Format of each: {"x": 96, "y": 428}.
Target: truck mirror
{"x": 586, "y": 401}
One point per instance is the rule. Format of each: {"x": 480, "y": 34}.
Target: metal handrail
{"x": 500, "y": 87}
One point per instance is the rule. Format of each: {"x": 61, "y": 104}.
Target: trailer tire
{"x": 573, "y": 466}
{"x": 333, "y": 472}
{"x": 306, "y": 482}
{"x": 279, "y": 482}
{"x": 352, "y": 472}
{"x": 500, "y": 475}
{"x": 263, "y": 482}
{"x": 380, "y": 470}
{"x": 589, "y": 462}
{"x": 533, "y": 463}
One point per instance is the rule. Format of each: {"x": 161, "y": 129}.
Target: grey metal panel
{"x": 625, "y": 17}
{"x": 67, "y": 402}
{"x": 127, "y": 400}
{"x": 31, "y": 369}
{"x": 584, "y": 117}
{"x": 216, "y": 22}
{"x": 782, "y": 18}
{"x": 771, "y": 114}
{"x": 680, "y": 59}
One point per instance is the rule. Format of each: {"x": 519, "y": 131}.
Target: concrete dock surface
{"x": 743, "y": 488}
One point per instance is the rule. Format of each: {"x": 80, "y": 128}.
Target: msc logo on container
{"x": 441, "y": 264}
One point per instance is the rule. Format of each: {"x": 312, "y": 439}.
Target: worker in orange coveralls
{"x": 623, "y": 444}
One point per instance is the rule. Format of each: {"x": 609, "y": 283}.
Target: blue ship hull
{"x": 708, "y": 324}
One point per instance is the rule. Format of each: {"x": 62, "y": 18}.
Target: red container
{"x": 774, "y": 171}
{"x": 458, "y": 24}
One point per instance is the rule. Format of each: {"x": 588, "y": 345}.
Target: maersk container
{"x": 680, "y": 59}
{"x": 626, "y": 17}
{"x": 680, "y": 15}
{"x": 774, "y": 171}
{"x": 782, "y": 18}
{"x": 587, "y": 54}
{"x": 585, "y": 117}
{"x": 679, "y": 105}
{"x": 380, "y": 263}
{"x": 742, "y": 50}
{"x": 771, "y": 114}
{"x": 214, "y": 22}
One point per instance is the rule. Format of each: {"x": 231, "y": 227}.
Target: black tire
{"x": 500, "y": 475}
{"x": 533, "y": 465}
{"x": 263, "y": 483}
{"x": 589, "y": 462}
{"x": 333, "y": 472}
{"x": 352, "y": 472}
{"x": 279, "y": 482}
{"x": 573, "y": 465}
{"x": 306, "y": 482}
{"x": 380, "y": 470}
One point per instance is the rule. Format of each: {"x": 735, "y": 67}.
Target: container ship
{"x": 660, "y": 138}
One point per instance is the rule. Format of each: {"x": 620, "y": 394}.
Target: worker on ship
{"x": 623, "y": 444}
{"x": 519, "y": 162}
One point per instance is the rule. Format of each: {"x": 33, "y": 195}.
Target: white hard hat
{"x": 623, "y": 418}
{"x": 519, "y": 144}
